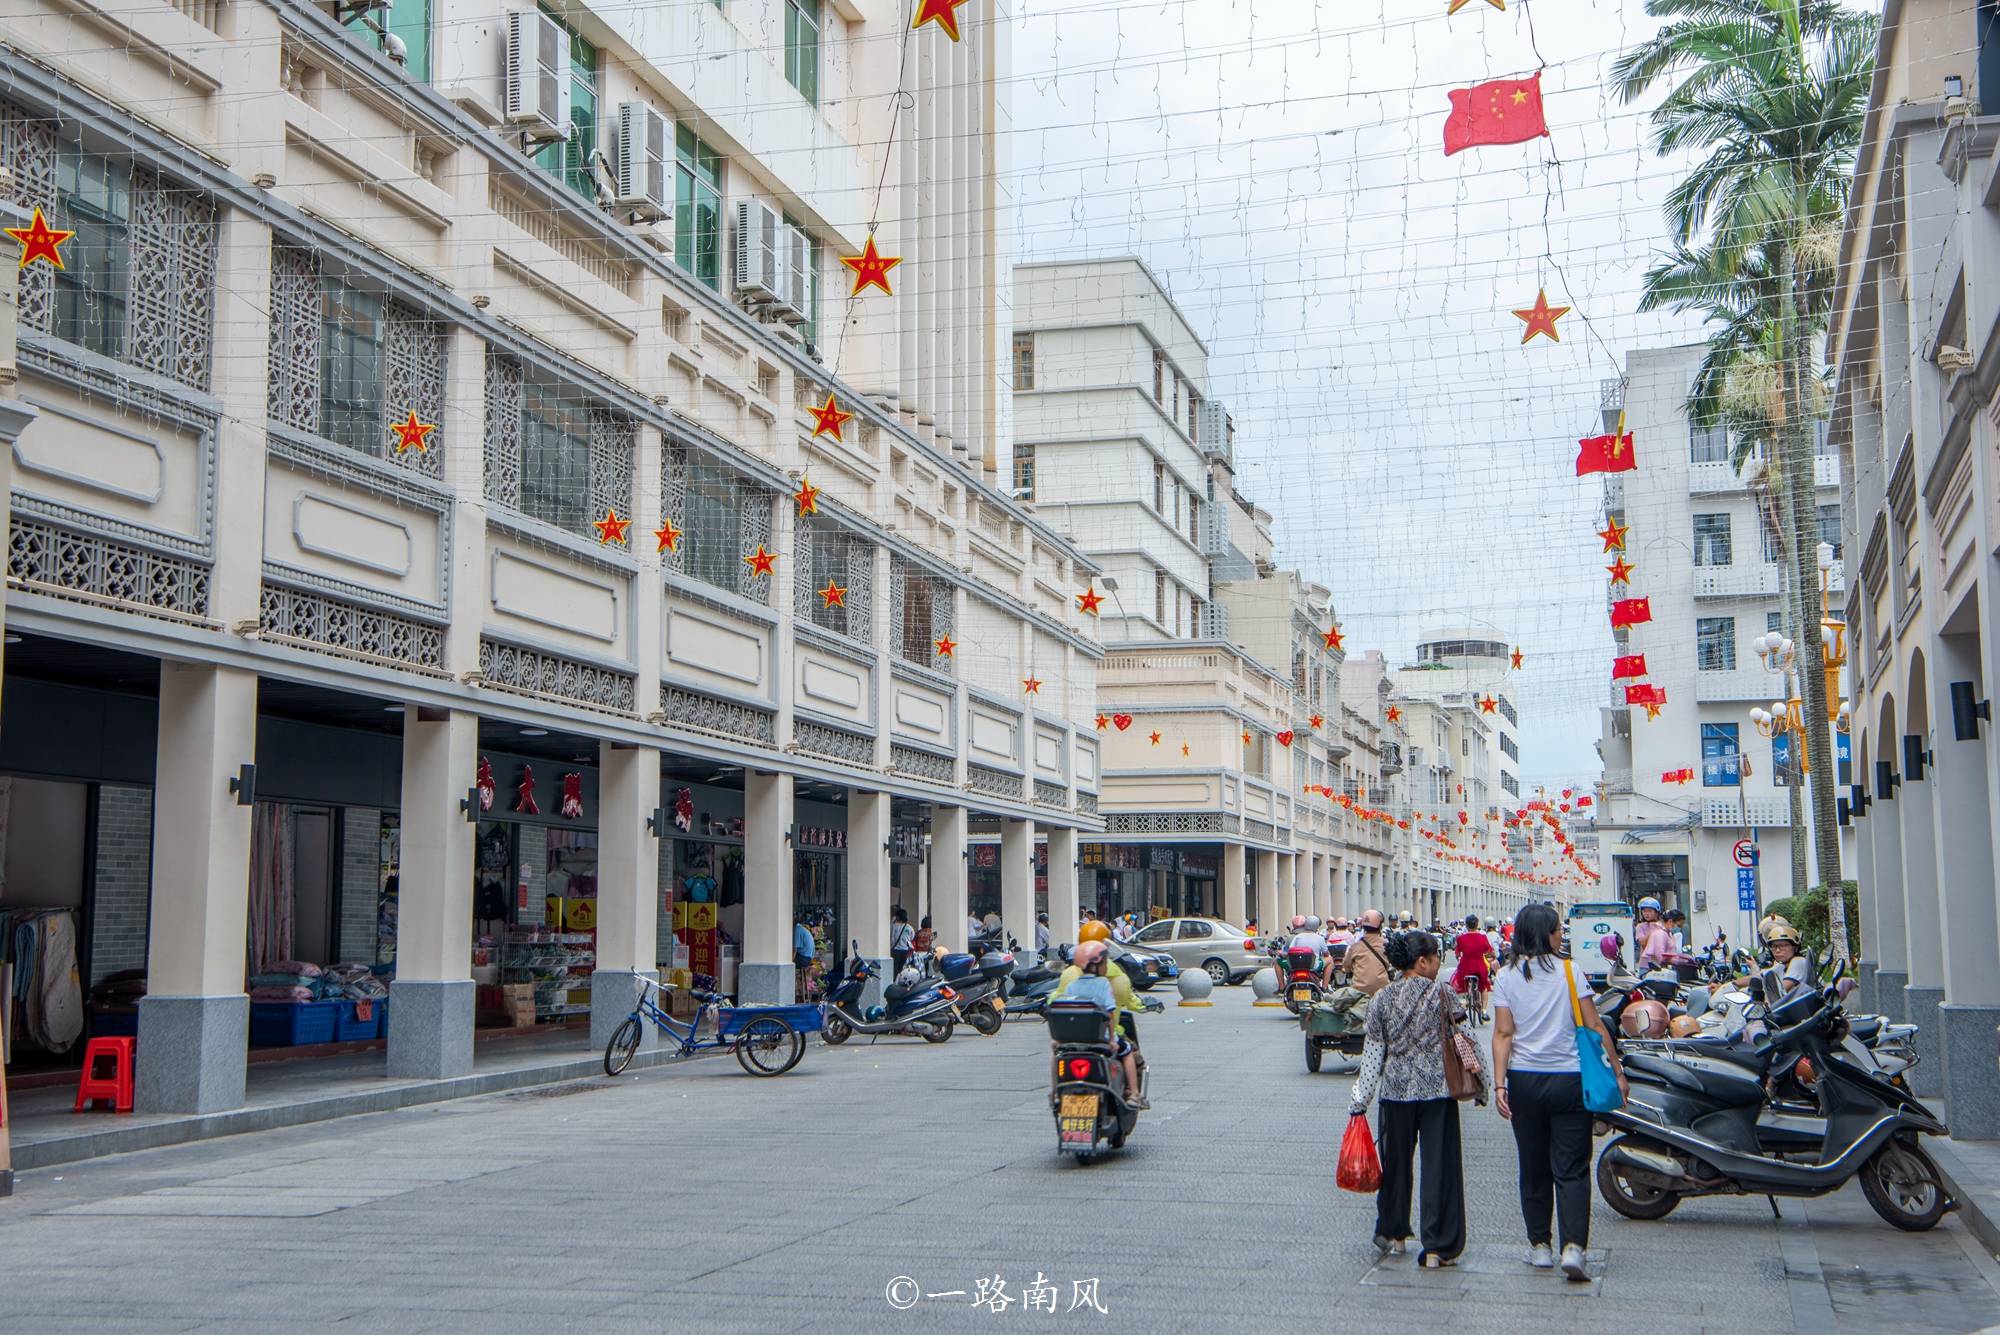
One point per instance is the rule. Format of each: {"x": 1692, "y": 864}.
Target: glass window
{"x": 712, "y": 531}
{"x": 812, "y": 279}
{"x": 1160, "y": 597}
{"x": 835, "y": 555}
{"x": 1159, "y": 489}
{"x": 1773, "y": 620}
{"x": 411, "y": 21}
{"x": 1024, "y": 472}
{"x": 555, "y": 459}
{"x": 697, "y": 207}
{"x": 1024, "y": 361}
{"x": 1708, "y": 445}
{"x": 1719, "y": 756}
{"x": 1711, "y": 540}
{"x": 802, "y": 47}
{"x": 1774, "y": 551}
{"x": 1194, "y": 520}
{"x": 94, "y": 200}
{"x": 1157, "y": 931}
{"x": 570, "y": 160}
{"x": 1715, "y": 644}
{"x": 1829, "y": 527}
{"x": 919, "y": 640}
{"x": 1196, "y": 929}
{"x": 1159, "y": 376}
{"x": 350, "y": 400}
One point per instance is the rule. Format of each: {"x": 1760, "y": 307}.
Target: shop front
{"x": 1152, "y": 880}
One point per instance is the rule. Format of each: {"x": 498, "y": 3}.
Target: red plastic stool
{"x": 117, "y": 1086}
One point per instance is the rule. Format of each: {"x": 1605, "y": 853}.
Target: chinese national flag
{"x": 1605, "y": 454}
{"x": 1631, "y": 611}
{"x": 1631, "y": 665}
{"x": 1506, "y": 111}
{"x": 1645, "y": 693}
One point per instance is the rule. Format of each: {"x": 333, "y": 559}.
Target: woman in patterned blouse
{"x": 1403, "y": 1062}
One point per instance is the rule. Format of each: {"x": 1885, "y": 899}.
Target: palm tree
{"x": 1773, "y": 93}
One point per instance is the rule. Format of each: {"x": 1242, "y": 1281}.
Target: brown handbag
{"x": 1462, "y": 1069}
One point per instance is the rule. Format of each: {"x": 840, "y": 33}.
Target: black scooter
{"x": 1089, "y": 1098}
{"x": 1691, "y": 1129}
{"x": 925, "y": 1011}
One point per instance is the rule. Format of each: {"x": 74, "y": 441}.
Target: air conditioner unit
{"x": 643, "y": 153}
{"x": 797, "y": 307}
{"x": 537, "y": 92}
{"x": 760, "y": 268}
{"x": 1211, "y": 424}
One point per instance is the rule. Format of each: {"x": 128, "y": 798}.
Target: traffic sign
{"x": 1746, "y": 889}
{"x": 1745, "y": 853}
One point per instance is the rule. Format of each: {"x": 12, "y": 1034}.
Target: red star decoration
{"x": 1621, "y": 570}
{"x": 410, "y": 433}
{"x": 1652, "y": 711}
{"x": 1516, "y": 660}
{"x": 944, "y": 13}
{"x": 1488, "y": 705}
{"x": 1089, "y": 601}
{"x": 611, "y": 528}
{"x": 1156, "y": 739}
{"x": 1031, "y": 685}
{"x": 1457, "y": 5}
{"x": 946, "y": 646}
{"x": 762, "y": 562}
{"x": 1541, "y": 318}
{"x": 1395, "y": 714}
{"x": 1317, "y": 720}
{"x": 832, "y": 595}
{"x": 871, "y": 268}
{"x": 1184, "y": 749}
{"x": 1246, "y": 737}
{"x": 39, "y": 241}
{"x": 1103, "y": 722}
{"x": 1334, "y": 639}
{"x": 669, "y": 536}
{"x": 827, "y": 419}
{"x": 1613, "y": 534}
{"x": 806, "y": 498}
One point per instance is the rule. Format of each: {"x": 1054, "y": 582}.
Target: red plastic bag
{"x": 1359, "y": 1169}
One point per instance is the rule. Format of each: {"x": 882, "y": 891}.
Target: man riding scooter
{"x": 1089, "y": 962}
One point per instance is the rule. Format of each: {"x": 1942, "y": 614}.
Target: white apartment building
{"x": 1680, "y": 791}
{"x": 430, "y": 703}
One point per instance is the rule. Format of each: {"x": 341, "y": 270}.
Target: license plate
{"x": 1079, "y": 1105}
{"x": 1302, "y": 994}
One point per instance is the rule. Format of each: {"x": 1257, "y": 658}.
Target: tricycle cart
{"x": 767, "y": 1040}
{"x": 1327, "y": 1026}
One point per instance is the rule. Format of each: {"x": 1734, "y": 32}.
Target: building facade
{"x": 1917, "y": 368}
{"x": 1681, "y": 791}
{"x": 439, "y": 515}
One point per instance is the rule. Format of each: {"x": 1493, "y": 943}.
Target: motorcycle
{"x": 1029, "y": 989}
{"x": 1692, "y": 1127}
{"x": 1303, "y": 988}
{"x": 923, "y": 1008}
{"x": 1088, "y": 1097}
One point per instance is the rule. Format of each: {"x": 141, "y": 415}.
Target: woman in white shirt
{"x": 1541, "y": 1085}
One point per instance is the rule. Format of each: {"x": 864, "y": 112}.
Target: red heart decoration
{"x": 1121, "y": 721}
{"x": 1285, "y": 737}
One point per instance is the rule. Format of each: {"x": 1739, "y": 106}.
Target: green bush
{"x": 1808, "y": 913}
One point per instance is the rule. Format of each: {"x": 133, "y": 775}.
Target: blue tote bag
{"x": 1600, "y": 1082}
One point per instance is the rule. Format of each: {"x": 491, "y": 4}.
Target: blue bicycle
{"x": 767, "y": 1040}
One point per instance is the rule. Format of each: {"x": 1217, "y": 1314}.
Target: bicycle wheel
{"x": 769, "y": 1046}
{"x": 618, "y": 1052}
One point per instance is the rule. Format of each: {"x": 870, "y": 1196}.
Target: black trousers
{"x": 897, "y": 959}
{"x": 1431, "y": 1124}
{"x": 1552, "y": 1135}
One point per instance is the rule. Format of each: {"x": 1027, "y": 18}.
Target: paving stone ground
{"x": 700, "y": 1199}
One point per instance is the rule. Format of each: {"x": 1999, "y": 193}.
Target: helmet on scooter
{"x": 1298, "y": 922}
{"x": 1684, "y": 1026}
{"x": 1087, "y": 953}
{"x": 1313, "y": 924}
{"x": 1649, "y": 903}
{"x": 1644, "y": 1019}
{"x": 875, "y": 1014}
{"x": 1611, "y": 945}
{"x": 1094, "y": 930}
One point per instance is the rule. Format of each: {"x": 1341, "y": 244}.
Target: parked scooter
{"x": 1089, "y": 1098}
{"x": 911, "y": 1005}
{"x": 980, "y": 983}
{"x": 1029, "y": 989}
{"x": 1691, "y": 1128}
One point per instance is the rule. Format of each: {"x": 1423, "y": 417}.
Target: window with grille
{"x": 1708, "y": 445}
{"x": 552, "y": 453}
{"x": 1711, "y": 540}
{"x": 1024, "y": 361}
{"x": 1715, "y": 644}
{"x": 555, "y": 459}
{"x": 94, "y": 197}
{"x": 802, "y": 47}
{"x": 722, "y": 516}
{"x": 697, "y": 207}
{"x": 351, "y": 412}
{"x": 830, "y": 557}
{"x": 1024, "y": 472}
{"x": 921, "y": 613}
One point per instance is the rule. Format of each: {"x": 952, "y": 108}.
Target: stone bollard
{"x": 1265, "y": 984}
{"x": 1195, "y": 985}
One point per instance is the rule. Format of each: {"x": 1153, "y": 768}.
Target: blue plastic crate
{"x": 290, "y": 1024}
{"x": 349, "y": 1025}
{"x": 808, "y": 1017}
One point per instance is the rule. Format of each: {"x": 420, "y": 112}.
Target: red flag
{"x": 1645, "y": 693}
{"x": 1631, "y": 612}
{"x": 1505, "y": 111}
{"x": 1582, "y": 802}
{"x": 1630, "y": 665}
{"x": 1605, "y": 454}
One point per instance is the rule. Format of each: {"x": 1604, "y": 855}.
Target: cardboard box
{"x": 518, "y": 1000}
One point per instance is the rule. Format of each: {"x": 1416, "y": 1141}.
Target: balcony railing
{"x": 1736, "y": 581}
{"x": 1762, "y": 812}
{"x": 1708, "y": 479}
{"x": 1749, "y": 684}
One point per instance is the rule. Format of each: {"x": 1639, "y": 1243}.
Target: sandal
{"x": 1432, "y": 1261}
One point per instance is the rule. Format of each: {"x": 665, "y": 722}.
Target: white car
{"x": 1227, "y": 954}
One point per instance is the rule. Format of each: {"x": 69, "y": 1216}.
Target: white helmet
{"x": 1313, "y": 924}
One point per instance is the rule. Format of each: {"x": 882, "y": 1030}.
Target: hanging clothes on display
{"x": 48, "y": 994}
{"x": 271, "y": 890}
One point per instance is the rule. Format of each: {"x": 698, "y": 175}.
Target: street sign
{"x": 1745, "y": 854}
{"x": 1746, "y": 889}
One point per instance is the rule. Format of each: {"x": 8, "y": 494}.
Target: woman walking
{"x": 1536, "y": 1010}
{"x": 1403, "y": 1060}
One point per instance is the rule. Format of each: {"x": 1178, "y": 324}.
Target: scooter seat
{"x": 1865, "y": 1027}
{"x": 1723, "y": 1049}
{"x": 1733, "y": 1090}
{"x": 895, "y": 993}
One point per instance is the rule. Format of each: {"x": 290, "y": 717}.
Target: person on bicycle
{"x": 1092, "y": 975}
{"x": 1473, "y": 976}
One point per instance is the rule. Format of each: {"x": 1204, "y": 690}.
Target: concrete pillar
{"x": 1963, "y": 840}
{"x": 1064, "y": 911}
{"x": 1234, "y": 876}
{"x": 1267, "y": 893}
{"x": 628, "y": 886}
{"x": 1891, "y": 929}
{"x": 947, "y": 876}
{"x": 1017, "y": 881}
{"x": 431, "y": 1000}
{"x": 1316, "y": 885}
{"x": 1924, "y": 992}
{"x": 868, "y": 879}
{"x": 194, "y": 1022}
{"x": 766, "y": 973}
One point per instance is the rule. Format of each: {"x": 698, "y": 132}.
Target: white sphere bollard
{"x": 1195, "y": 985}
{"x": 1265, "y": 984}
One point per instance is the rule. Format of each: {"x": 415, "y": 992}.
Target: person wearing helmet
{"x": 1366, "y": 962}
{"x": 1649, "y": 922}
{"x": 1309, "y": 937}
{"x": 1314, "y": 924}
{"x": 1091, "y": 976}
{"x": 1794, "y": 970}
{"x": 1093, "y": 929}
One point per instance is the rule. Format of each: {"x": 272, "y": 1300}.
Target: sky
{"x": 1280, "y": 168}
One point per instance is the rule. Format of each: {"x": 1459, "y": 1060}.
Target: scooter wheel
{"x": 836, "y": 1030}
{"x": 985, "y": 1019}
{"x": 937, "y": 1031}
{"x": 1634, "y": 1200}
{"x": 1903, "y": 1186}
